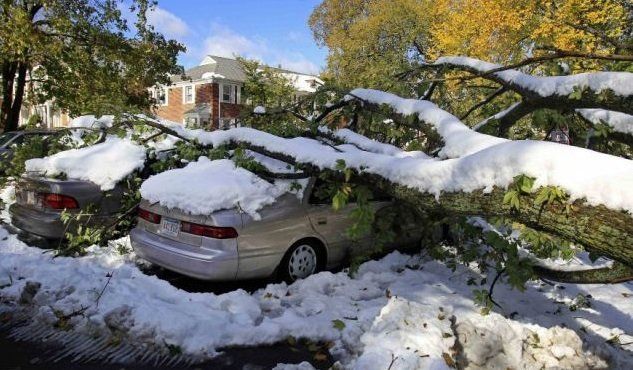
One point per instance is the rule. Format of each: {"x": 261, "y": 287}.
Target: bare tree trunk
{"x": 13, "y": 86}
{"x": 8, "y": 77}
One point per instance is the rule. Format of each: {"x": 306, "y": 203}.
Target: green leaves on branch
{"x": 523, "y": 187}
{"x": 553, "y": 195}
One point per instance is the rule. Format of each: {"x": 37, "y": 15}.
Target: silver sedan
{"x": 294, "y": 238}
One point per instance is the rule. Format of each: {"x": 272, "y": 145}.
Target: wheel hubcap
{"x": 303, "y": 262}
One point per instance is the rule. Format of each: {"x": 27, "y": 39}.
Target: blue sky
{"x": 273, "y": 31}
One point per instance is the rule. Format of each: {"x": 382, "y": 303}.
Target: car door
{"x": 331, "y": 225}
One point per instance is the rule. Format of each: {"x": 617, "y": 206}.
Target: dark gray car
{"x": 40, "y": 202}
{"x": 11, "y": 138}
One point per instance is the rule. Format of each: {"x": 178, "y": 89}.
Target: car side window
{"x": 322, "y": 192}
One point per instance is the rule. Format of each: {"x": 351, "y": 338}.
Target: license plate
{"x": 169, "y": 227}
{"x": 31, "y": 197}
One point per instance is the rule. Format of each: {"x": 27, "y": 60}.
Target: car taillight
{"x": 215, "y": 232}
{"x": 149, "y": 216}
{"x": 58, "y": 201}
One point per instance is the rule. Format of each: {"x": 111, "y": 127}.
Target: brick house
{"x": 211, "y": 94}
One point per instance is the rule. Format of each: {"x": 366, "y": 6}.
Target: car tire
{"x": 304, "y": 258}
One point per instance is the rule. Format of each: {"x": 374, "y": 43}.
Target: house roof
{"x": 230, "y": 69}
{"x": 215, "y": 66}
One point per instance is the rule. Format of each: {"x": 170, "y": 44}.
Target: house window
{"x": 160, "y": 95}
{"x": 189, "y": 94}
{"x": 231, "y": 94}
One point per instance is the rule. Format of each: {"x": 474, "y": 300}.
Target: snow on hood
{"x": 104, "y": 164}
{"x": 206, "y": 186}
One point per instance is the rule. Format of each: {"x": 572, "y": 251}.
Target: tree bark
{"x": 8, "y": 78}
{"x": 617, "y": 273}
{"x": 13, "y": 86}
{"x": 599, "y": 229}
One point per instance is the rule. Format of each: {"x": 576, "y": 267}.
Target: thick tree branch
{"x": 617, "y": 273}
{"x": 330, "y": 109}
{"x": 510, "y": 117}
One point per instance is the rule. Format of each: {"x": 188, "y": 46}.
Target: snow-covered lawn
{"x": 405, "y": 309}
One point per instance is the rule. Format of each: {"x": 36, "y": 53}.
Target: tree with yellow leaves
{"x": 381, "y": 44}
{"x": 370, "y": 40}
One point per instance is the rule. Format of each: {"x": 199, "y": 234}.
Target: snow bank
{"x": 619, "y": 122}
{"x": 492, "y": 343}
{"x": 104, "y": 164}
{"x": 206, "y": 186}
{"x": 621, "y": 83}
{"x": 412, "y": 333}
{"x": 400, "y": 305}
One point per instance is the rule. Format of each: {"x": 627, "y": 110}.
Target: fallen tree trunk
{"x": 597, "y": 228}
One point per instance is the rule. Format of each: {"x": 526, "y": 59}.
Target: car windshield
{"x": 6, "y": 137}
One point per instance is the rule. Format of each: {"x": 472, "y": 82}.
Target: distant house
{"x": 211, "y": 94}
{"x": 48, "y": 115}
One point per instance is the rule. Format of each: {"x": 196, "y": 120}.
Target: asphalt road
{"x": 34, "y": 356}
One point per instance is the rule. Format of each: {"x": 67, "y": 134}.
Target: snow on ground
{"x": 206, "y": 186}
{"x": 398, "y": 309}
{"x": 621, "y": 83}
{"x": 104, "y": 164}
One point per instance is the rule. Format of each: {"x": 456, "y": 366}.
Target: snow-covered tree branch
{"x": 610, "y": 91}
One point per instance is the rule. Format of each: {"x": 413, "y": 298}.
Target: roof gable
{"x": 213, "y": 66}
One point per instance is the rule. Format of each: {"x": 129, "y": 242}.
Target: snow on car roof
{"x": 207, "y": 186}
{"x": 104, "y": 164}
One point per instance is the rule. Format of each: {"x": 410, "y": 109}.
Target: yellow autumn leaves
{"x": 370, "y": 40}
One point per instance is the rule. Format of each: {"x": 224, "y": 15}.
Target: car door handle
{"x": 322, "y": 221}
